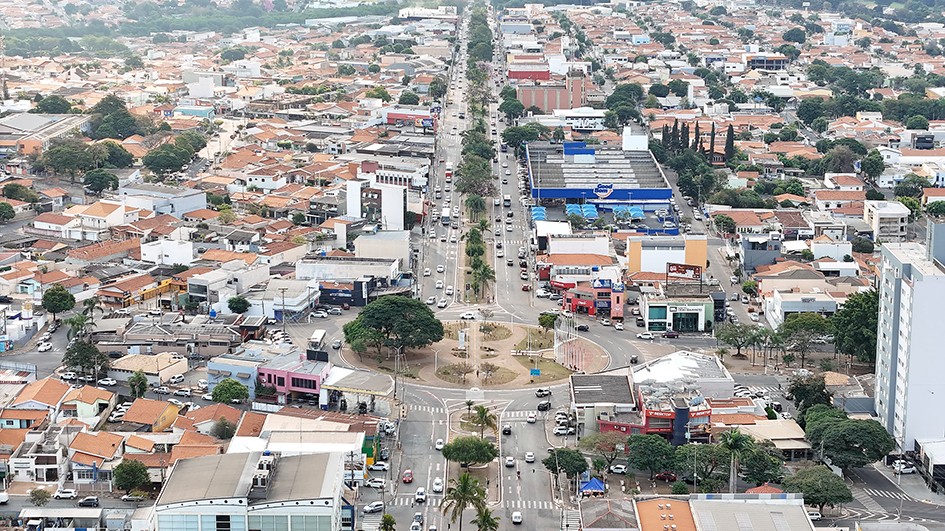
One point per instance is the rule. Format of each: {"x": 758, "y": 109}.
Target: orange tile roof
{"x": 12, "y": 438}
{"x": 222, "y": 255}
{"x": 158, "y": 460}
{"x": 37, "y": 415}
{"x": 139, "y": 443}
{"x": 103, "y": 249}
{"x": 840, "y": 195}
{"x": 88, "y": 394}
{"x": 764, "y": 489}
{"x": 101, "y": 444}
{"x": 214, "y": 413}
{"x": 53, "y": 218}
{"x": 146, "y": 411}
{"x": 47, "y": 391}
{"x": 251, "y": 425}
{"x": 187, "y": 451}
{"x": 653, "y": 518}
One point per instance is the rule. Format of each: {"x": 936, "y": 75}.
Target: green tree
{"x": 388, "y": 523}
{"x": 97, "y": 181}
{"x": 725, "y": 224}
{"x": 680, "y": 488}
{"x": 651, "y": 453}
{"x": 735, "y": 335}
{"x": 486, "y": 521}
{"x": 911, "y": 186}
{"x": 547, "y": 320}
{"x": 138, "y": 384}
{"x": 39, "y": 497}
{"x": 935, "y": 208}
{"x": 706, "y": 460}
{"x": 52, "y": 105}
{"x": 117, "y": 156}
{"x": 408, "y": 97}
{"x": 512, "y": 109}
{"x": 229, "y": 390}
{"x": 917, "y": 122}
{"x": 763, "y": 463}
{"x": 795, "y": 35}
{"x": 130, "y": 475}
{"x": 467, "y": 449}
{"x": 6, "y": 211}
{"x": 223, "y": 429}
{"x": 729, "y": 144}
{"x": 608, "y": 445}
{"x": 750, "y": 287}
{"x": 233, "y": 54}
{"x": 873, "y": 165}
{"x": 508, "y": 93}
{"x": 437, "y": 88}
{"x": 855, "y": 325}
{"x": 484, "y": 418}
{"x": 820, "y": 487}
{"x": 801, "y": 329}
{"x": 862, "y": 245}
{"x": 20, "y": 193}
{"x": 86, "y": 357}
{"x": 464, "y": 492}
{"x": 168, "y": 158}
{"x": 403, "y": 322}
{"x": 379, "y": 93}
{"x": 915, "y": 208}
{"x": 79, "y": 325}
{"x": 476, "y": 206}
{"x": 853, "y": 443}
{"x": 737, "y": 444}
{"x": 57, "y": 299}
{"x": 571, "y": 462}
{"x": 238, "y": 304}
{"x": 299, "y": 218}
{"x": 808, "y": 391}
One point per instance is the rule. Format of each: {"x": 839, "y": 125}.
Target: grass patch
{"x": 551, "y": 371}
{"x": 501, "y": 376}
{"x": 453, "y": 373}
{"x": 494, "y": 332}
{"x": 536, "y": 339}
{"x": 451, "y": 330}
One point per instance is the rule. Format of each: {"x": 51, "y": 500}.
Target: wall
{"x": 168, "y": 252}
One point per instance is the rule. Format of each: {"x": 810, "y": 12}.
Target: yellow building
{"x": 650, "y": 254}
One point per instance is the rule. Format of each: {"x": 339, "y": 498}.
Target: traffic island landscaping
{"x": 492, "y": 355}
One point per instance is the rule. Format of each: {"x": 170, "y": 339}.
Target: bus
{"x": 445, "y": 216}
{"x": 317, "y": 341}
{"x": 506, "y": 200}
{"x": 449, "y": 172}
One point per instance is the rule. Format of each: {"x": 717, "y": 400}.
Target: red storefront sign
{"x": 562, "y": 285}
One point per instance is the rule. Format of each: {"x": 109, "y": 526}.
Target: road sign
{"x": 534, "y": 372}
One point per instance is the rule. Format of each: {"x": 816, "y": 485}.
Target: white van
{"x": 176, "y": 379}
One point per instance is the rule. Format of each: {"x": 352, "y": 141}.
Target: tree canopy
{"x": 402, "y": 322}
{"x": 651, "y": 453}
{"x": 855, "y": 325}
{"x": 820, "y": 487}
{"x": 229, "y": 390}
{"x": 130, "y": 475}
{"x": 571, "y": 462}
{"x": 470, "y": 449}
{"x": 57, "y": 299}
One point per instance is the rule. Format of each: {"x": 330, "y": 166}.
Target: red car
{"x": 671, "y": 334}
{"x": 408, "y": 476}
{"x": 526, "y": 287}
{"x": 666, "y": 476}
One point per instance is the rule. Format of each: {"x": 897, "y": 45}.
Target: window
{"x": 178, "y": 522}
{"x": 268, "y": 523}
{"x": 311, "y": 523}
{"x": 304, "y": 383}
{"x": 280, "y": 381}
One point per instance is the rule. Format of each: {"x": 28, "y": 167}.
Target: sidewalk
{"x": 911, "y": 484}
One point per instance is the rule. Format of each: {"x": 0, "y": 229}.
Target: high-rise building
{"x": 909, "y": 364}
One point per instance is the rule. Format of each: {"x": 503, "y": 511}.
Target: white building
{"x": 909, "y": 365}
{"x": 582, "y": 118}
{"x": 255, "y": 491}
{"x": 887, "y": 219}
{"x": 385, "y": 244}
{"x": 824, "y": 246}
{"x": 168, "y": 252}
{"x": 781, "y": 304}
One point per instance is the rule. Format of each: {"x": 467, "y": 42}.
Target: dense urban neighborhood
{"x": 312, "y": 265}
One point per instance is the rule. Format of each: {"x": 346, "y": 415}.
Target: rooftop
{"x": 589, "y": 389}
{"x": 680, "y": 365}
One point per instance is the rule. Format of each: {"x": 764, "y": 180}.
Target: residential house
{"x": 103, "y": 252}
{"x": 833, "y": 199}
{"x": 203, "y": 419}
{"x": 52, "y": 224}
{"x": 845, "y": 182}
{"x": 96, "y": 219}
{"x": 278, "y": 253}
{"x": 158, "y": 368}
{"x": 87, "y": 402}
{"x": 13, "y": 419}
{"x": 151, "y": 415}
{"x": 131, "y": 290}
{"x": 46, "y": 394}
{"x": 93, "y": 455}
{"x": 162, "y": 198}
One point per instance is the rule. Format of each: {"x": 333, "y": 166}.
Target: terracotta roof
{"x": 12, "y": 438}
{"x": 102, "y": 444}
{"x": 139, "y": 443}
{"x": 53, "y": 218}
{"x": 840, "y": 195}
{"x": 251, "y": 425}
{"x": 223, "y": 256}
{"x": 100, "y": 209}
{"x": 37, "y": 415}
{"x": 88, "y": 395}
{"x": 651, "y": 515}
{"x": 764, "y": 489}
{"x": 146, "y": 411}
{"x": 742, "y": 218}
{"x": 187, "y": 451}
{"x": 105, "y": 249}
{"x": 214, "y": 413}
{"x": 202, "y": 213}
{"x": 158, "y": 460}
{"x": 193, "y": 438}
{"x": 47, "y": 391}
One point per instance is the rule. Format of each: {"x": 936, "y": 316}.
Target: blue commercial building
{"x": 605, "y": 176}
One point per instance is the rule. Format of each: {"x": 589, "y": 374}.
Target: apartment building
{"x": 887, "y": 219}
{"x": 908, "y": 366}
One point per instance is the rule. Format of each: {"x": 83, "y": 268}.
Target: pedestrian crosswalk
{"x": 407, "y": 500}
{"x": 529, "y": 504}
{"x": 371, "y": 522}
{"x": 570, "y": 520}
{"x": 427, "y": 409}
{"x": 888, "y": 494}
{"x": 516, "y": 415}
{"x": 866, "y": 500}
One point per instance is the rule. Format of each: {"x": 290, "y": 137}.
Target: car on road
{"x": 440, "y": 268}
{"x": 542, "y": 293}
{"x": 162, "y": 390}
{"x": 439, "y": 284}
{"x": 437, "y": 485}
{"x": 582, "y": 328}
{"x": 132, "y": 498}
{"x": 203, "y": 384}
{"x": 208, "y": 397}
{"x": 507, "y": 429}
{"x": 176, "y": 402}
{"x": 44, "y": 347}
{"x": 407, "y": 476}
{"x": 904, "y": 468}
{"x": 517, "y": 517}
{"x": 439, "y": 444}
{"x": 646, "y": 335}
{"x": 376, "y": 483}
{"x": 374, "y": 507}
{"x": 453, "y": 238}
{"x": 334, "y": 311}
{"x": 88, "y": 501}
{"x": 542, "y": 392}
{"x": 421, "y": 495}
{"x": 532, "y": 418}
{"x": 336, "y": 344}
{"x": 67, "y": 376}
{"x": 618, "y": 326}
{"x": 670, "y": 334}
{"x": 509, "y": 461}
{"x": 183, "y": 392}
{"x": 45, "y": 337}
{"x": 468, "y": 316}
{"x": 416, "y": 526}
{"x": 544, "y": 405}
{"x": 441, "y": 304}
{"x": 666, "y": 476}
{"x": 529, "y": 457}
{"x": 108, "y": 382}
{"x": 618, "y": 469}
{"x": 321, "y": 314}
{"x": 426, "y": 272}
{"x": 563, "y": 430}
{"x": 605, "y": 322}
{"x": 65, "y": 494}
{"x": 526, "y": 287}
{"x": 510, "y": 262}
{"x": 380, "y": 465}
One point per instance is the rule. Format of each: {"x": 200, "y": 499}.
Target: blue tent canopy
{"x": 594, "y": 485}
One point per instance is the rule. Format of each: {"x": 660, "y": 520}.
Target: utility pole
{"x": 3, "y": 69}
{"x": 282, "y": 290}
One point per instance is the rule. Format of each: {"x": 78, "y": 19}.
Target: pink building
{"x": 294, "y": 376}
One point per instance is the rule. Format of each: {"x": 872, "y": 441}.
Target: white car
{"x": 442, "y": 303}
{"x": 517, "y": 517}
{"x": 203, "y": 384}
{"x": 468, "y": 316}
{"x": 542, "y": 293}
{"x": 116, "y": 416}
{"x": 108, "y": 382}
{"x": 563, "y": 430}
{"x": 646, "y": 335}
{"x": 68, "y": 376}
{"x": 529, "y": 457}
{"x": 618, "y": 469}
{"x": 421, "y": 495}
{"x": 532, "y": 418}
{"x": 426, "y": 272}
{"x": 754, "y": 317}
{"x": 374, "y": 507}
{"x": 437, "y": 485}
{"x": 440, "y": 268}
{"x": 176, "y": 402}
{"x": 431, "y": 300}
{"x": 510, "y": 461}
{"x": 376, "y": 483}
{"x": 320, "y": 314}
{"x": 65, "y": 494}
{"x": 45, "y": 346}
{"x": 449, "y": 291}
{"x": 439, "y": 284}
{"x": 904, "y": 468}
{"x": 438, "y": 445}
{"x": 208, "y": 397}
{"x": 183, "y": 392}
{"x": 380, "y": 465}
{"x": 618, "y": 326}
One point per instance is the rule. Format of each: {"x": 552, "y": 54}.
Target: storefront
{"x": 679, "y": 316}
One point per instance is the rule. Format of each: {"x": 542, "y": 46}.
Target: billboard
{"x": 686, "y": 271}
{"x": 601, "y": 283}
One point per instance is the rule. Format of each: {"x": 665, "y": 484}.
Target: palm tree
{"x": 485, "y": 419}
{"x": 485, "y": 521}
{"x": 469, "y": 405}
{"x": 463, "y": 493}
{"x": 79, "y": 325}
{"x": 91, "y": 305}
{"x": 483, "y": 225}
{"x": 481, "y": 276}
{"x": 737, "y": 443}
{"x": 476, "y": 205}
{"x": 387, "y": 523}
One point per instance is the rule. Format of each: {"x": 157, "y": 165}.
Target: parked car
{"x": 376, "y": 483}
{"x": 532, "y": 418}
{"x": 666, "y": 476}
{"x": 132, "y": 498}
{"x": 108, "y": 382}
{"x": 176, "y": 402}
{"x": 89, "y": 501}
{"x": 374, "y": 507}
{"x": 208, "y": 397}
{"x": 319, "y": 314}
{"x": 618, "y": 469}
{"x": 379, "y": 465}
{"x": 67, "y": 376}
{"x": 904, "y": 468}
{"x": 814, "y": 515}
{"x": 563, "y": 430}
{"x": 203, "y": 384}
{"x": 44, "y": 347}
{"x": 65, "y": 494}
{"x": 116, "y": 416}
{"x": 646, "y": 335}
{"x": 334, "y": 311}
{"x": 163, "y": 390}
{"x": 183, "y": 392}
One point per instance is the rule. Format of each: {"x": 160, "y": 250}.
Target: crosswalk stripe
{"x": 888, "y": 494}
{"x": 529, "y": 504}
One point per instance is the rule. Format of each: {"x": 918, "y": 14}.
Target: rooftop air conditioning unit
{"x": 261, "y": 479}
